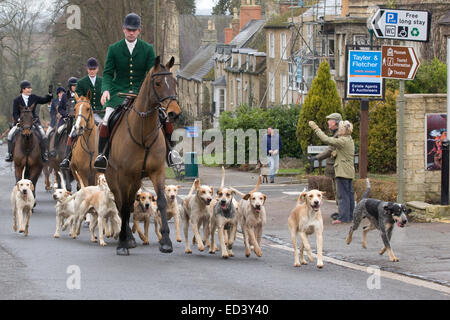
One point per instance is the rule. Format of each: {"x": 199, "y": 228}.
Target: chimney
{"x": 228, "y": 34}
{"x": 210, "y": 34}
{"x": 235, "y": 24}
{"x": 249, "y": 11}
{"x": 345, "y": 8}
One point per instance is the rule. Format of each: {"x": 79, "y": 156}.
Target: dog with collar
{"x": 143, "y": 209}
{"x": 194, "y": 212}
{"x": 252, "y": 218}
{"x": 22, "y": 202}
{"x": 383, "y": 216}
{"x": 65, "y": 209}
{"x": 306, "y": 219}
{"x": 172, "y": 210}
{"x": 223, "y": 217}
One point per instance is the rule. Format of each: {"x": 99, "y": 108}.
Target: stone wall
{"x": 419, "y": 184}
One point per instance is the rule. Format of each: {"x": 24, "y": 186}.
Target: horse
{"x": 60, "y": 151}
{"x": 85, "y": 148}
{"x": 27, "y": 152}
{"x": 138, "y": 150}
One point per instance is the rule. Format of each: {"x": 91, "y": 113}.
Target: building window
{"x": 221, "y": 100}
{"x": 283, "y": 93}
{"x": 239, "y": 90}
{"x": 272, "y": 87}
{"x": 271, "y": 45}
{"x": 283, "y": 47}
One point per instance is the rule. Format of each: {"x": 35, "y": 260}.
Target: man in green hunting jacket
{"x": 94, "y": 83}
{"x": 127, "y": 63}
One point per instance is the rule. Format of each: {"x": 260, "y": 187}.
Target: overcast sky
{"x": 204, "y": 7}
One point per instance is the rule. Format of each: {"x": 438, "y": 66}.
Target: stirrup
{"x": 9, "y": 157}
{"x": 174, "y": 158}
{"x": 65, "y": 164}
{"x": 101, "y": 162}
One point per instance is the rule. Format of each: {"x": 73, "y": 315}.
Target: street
{"x": 41, "y": 267}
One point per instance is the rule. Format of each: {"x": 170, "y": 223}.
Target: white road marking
{"x": 385, "y": 274}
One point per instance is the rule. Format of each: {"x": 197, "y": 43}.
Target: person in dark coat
{"x": 60, "y": 91}
{"x": 27, "y": 99}
{"x": 67, "y": 103}
{"x": 92, "y": 82}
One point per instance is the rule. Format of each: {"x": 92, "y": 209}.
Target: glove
{"x": 313, "y": 125}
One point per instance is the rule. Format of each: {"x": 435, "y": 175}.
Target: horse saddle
{"x": 117, "y": 115}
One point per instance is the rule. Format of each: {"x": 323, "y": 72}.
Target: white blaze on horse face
{"x": 77, "y": 124}
{"x": 167, "y": 83}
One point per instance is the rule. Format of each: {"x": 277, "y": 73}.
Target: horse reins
{"x": 146, "y": 114}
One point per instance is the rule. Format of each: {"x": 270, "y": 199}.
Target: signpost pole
{"x": 401, "y": 139}
{"x": 363, "y": 137}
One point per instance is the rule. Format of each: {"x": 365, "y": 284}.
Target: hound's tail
{"x": 195, "y": 185}
{"x": 238, "y": 192}
{"x": 254, "y": 190}
{"x": 366, "y": 194}
{"x": 257, "y": 184}
{"x": 63, "y": 182}
{"x": 79, "y": 179}
{"x": 300, "y": 197}
{"x": 222, "y": 184}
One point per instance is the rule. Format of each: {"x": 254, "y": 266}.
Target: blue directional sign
{"x": 191, "y": 132}
{"x": 364, "y": 73}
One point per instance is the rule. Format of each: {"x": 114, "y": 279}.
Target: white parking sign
{"x": 407, "y": 25}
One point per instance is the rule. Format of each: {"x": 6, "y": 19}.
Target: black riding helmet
{"x": 25, "y": 84}
{"x": 132, "y": 21}
{"x": 72, "y": 82}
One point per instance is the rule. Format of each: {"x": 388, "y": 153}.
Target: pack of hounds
{"x": 207, "y": 211}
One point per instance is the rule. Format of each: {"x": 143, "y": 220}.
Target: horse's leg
{"x": 165, "y": 244}
{"x": 124, "y": 243}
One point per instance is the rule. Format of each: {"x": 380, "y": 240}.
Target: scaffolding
{"x": 319, "y": 43}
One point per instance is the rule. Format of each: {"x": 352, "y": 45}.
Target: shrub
{"x": 322, "y": 100}
{"x": 430, "y": 78}
{"x": 282, "y": 118}
{"x": 383, "y": 136}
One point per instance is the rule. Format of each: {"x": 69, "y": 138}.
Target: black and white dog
{"x": 382, "y": 216}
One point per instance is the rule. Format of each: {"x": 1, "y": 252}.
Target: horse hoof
{"x": 123, "y": 252}
{"x": 165, "y": 248}
{"x": 132, "y": 243}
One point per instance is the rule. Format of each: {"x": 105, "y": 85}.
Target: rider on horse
{"x": 26, "y": 99}
{"x": 60, "y": 91}
{"x": 67, "y": 102}
{"x": 93, "y": 83}
{"x": 127, "y": 63}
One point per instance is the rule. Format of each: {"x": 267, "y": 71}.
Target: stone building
{"x": 195, "y": 79}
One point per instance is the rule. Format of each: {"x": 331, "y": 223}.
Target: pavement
{"x": 423, "y": 248}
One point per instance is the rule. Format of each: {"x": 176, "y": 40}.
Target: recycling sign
{"x": 410, "y": 25}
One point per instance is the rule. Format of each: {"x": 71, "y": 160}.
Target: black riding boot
{"x": 65, "y": 164}
{"x": 101, "y": 162}
{"x": 44, "y": 149}
{"x": 9, "y": 156}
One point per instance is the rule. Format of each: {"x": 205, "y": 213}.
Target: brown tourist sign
{"x": 399, "y": 62}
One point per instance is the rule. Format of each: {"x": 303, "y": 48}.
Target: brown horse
{"x": 85, "y": 149}
{"x": 138, "y": 150}
{"x": 27, "y": 152}
{"x": 60, "y": 150}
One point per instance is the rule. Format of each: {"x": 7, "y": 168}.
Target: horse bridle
{"x": 84, "y": 117}
{"x": 21, "y": 124}
{"x": 160, "y": 100}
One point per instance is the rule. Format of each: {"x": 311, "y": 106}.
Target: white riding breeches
{"x": 108, "y": 113}
{"x": 13, "y": 131}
